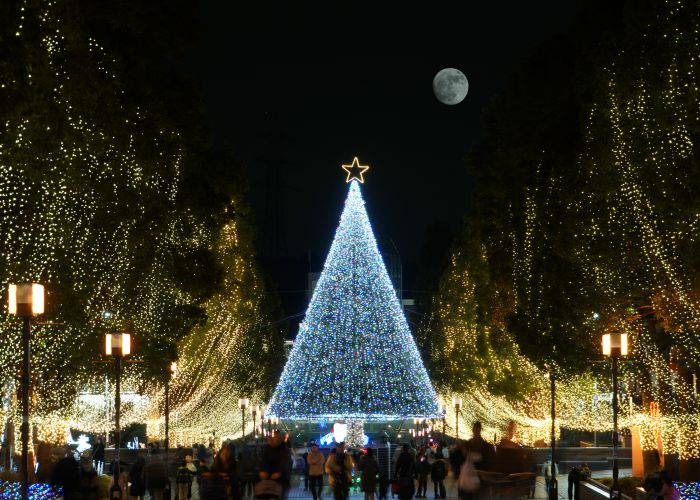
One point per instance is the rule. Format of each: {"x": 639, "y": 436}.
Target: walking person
{"x": 315, "y": 461}
{"x": 669, "y": 491}
{"x": 192, "y": 468}
{"x": 462, "y": 460}
{"x": 137, "y": 479}
{"x": 423, "y": 471}
{"x": 98, "y": 456}
{"x": 438, "y": 473}
{"x": 156, "y": 477}
{"x": 216, "y": 483}
{"x": 576, "y": 475}
{"x": 276, "y": 465}
{"x": 368, "y": 474}
{"x": 405, "y": 473}
{"x": 201, "y": 453}
{"x": 88, "y": 480}
{"x": 305, "y": 457}
{"x": 547, "y": 470}
{"x": 183, "y": 480}
{"x": 478, "y": 446}
{"x": 201, "y": 469}
{"x": 339, "y": 468}
{"x": 66, "y": 474}
{"x": 383, "y": 483}
{"x": 247, "y": 472}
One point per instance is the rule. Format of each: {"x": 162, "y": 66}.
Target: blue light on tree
{"x": 354, "y": 356}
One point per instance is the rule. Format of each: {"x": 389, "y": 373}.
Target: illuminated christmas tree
{"x": 354, "y": 356}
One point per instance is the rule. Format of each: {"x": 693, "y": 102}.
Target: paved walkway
{"x": 297, "y": 490}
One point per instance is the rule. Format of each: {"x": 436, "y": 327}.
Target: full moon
{"x": 450, "y": 86}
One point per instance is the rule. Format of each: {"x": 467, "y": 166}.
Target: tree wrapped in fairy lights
{"x": 354, "y": 356}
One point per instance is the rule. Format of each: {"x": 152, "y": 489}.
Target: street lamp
{"x": 243, "y": 404}
{"x": 614, "y": 346}
{"x": 443, "y": 409}
{"x": 25, "y": 301}
{"x": 117, "y": 345}
{"x": 255, "y": 410}
{"x": 553, "y": 485}
{"x": 273, "y": 421}
{"x": 171, "y": 372}
{"x": 457, "y": 403}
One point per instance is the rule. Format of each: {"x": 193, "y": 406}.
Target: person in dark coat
{"x": 438, "y": 473}
{"x": 340, "y": 468}
{"x": 66, "y": 474}
{"x": 479, "y": 446}
{"x": 406, "y": 473}
{"x": 276, "y": 462}
{"x": 156, "y": 477}
{"x": 88, "y": 480}
{"x": 219, "y": 482}
{"x": 383, "y": 484}
{"x": 368, "y": 474}
{"x": 98, "y": 456}
{"x": 247, "y": 471}
{"x": 183, "y": 480}
{"x": 137, "y": 478}
{"x": 423, "y": 471}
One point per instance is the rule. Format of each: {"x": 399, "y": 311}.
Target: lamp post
{"x": 443, "y": 409}
{"x": 553, "y": 486}
{"x": 25, "y": 301}
{"x": 171, "y": 372}
{"x": 243, "y": 404}
{"x": 457, "y": 403}
{"x": 614, "y": 346}
{"x": 254, "y": 410}
{"x": 117, "y": 345}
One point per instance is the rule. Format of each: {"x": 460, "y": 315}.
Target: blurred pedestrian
{"x": 422, "y": 471}
{"x": 315, "y": 459}
{"x": 478, "y": 445}
{"x": 216, "y": 483}
{"x": 405, "y": 473}
{"x": 66, "y": 474}
{"x": 137, "y": 479}
{"x": 547, "y": 471}
{"x": 275, "y": 465}
{"x": 368, "y": 474}
{"x": 98, "y": 456}
{"x": 438, "y": 473}
{"x": 88, "y": 480}
{"x": 156, "y": 476}
{"x": 668, "y": 489}
{"x": 339, "y": 468}
{"x": 183, "y": 480}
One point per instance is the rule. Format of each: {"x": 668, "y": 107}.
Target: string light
{"x": 355, "y": 171}
{"x": 623, "y": 222}
{"x": 354, "y": 357}
{"x": 93, "y": 211}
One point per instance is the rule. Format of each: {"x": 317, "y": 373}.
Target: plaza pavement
{"x": 297, "y": 489}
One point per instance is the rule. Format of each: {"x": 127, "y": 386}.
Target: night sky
{"x": 297, "y": 93}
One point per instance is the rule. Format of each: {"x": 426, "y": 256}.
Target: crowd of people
{"x": 266, "y": 472}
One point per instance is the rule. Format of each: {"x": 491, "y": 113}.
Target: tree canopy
{"x": 112, "y": 195}
{"x": 583, "y": 217}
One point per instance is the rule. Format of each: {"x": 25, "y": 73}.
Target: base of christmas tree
{"x": 356, "y": 436}
{"x": 357, "y": 433}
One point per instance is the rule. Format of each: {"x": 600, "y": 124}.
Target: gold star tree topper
{"x": 355, "y": 171}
